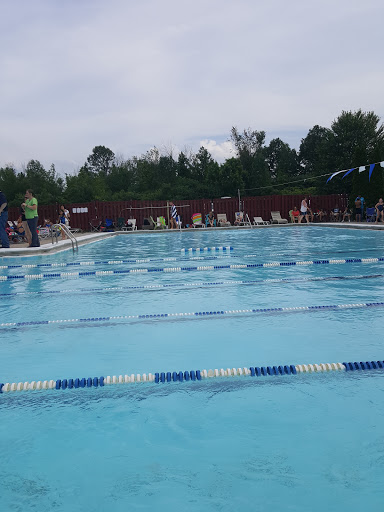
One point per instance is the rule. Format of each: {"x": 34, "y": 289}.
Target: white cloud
{"x": 220, "y": 152}
{"x": 129, "y": 75}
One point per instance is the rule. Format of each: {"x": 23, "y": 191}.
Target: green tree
{"x": 201, "y": 165}
{"x": 231, "y": 177}
{"x": 183, "y": 166}
{"x": 316, "y": 156}
{"x": 249, "y": 147}
{"x": 121, "y": 180}
{"x": 100, "y": 161}
{"x": 282, "y": 161}
{"x": 11, "y": 186}
{"x": 314, "y": 153}
{"x": 358, "y": 140}
{"x": 47, "y": 186}
{"x": 85, "y": 186}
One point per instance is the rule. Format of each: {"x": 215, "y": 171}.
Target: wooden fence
{"x": 261, "y": 206}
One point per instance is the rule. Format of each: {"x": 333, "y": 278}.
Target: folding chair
{"x": 120, "y": 223}
{"x": 370, "y": 214}
{"x": 95, "y": 224}
{"x": 222, "y": 220}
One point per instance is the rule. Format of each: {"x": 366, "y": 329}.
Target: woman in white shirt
{"x": 303, "y": 210}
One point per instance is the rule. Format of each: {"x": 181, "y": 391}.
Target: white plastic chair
{"x": 257, "y": 221}
{"x": 276, "y": 218}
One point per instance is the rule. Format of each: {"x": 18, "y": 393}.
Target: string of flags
{"x": 361, "y": 168}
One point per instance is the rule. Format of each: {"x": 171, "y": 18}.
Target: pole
{"x": 168, "y": 213}
{"x": 238, "y": 191}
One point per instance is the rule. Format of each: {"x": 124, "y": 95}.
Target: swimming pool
{"x": 304, "y": 442}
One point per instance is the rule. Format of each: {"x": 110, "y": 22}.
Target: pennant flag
{"x": 370, "y": 170}
{"x": 334, "y": 174}
{"x": 349, "y": 172}
{"x": 362, "y": 168}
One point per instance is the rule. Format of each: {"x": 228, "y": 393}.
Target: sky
{"x": 179, "y": 74}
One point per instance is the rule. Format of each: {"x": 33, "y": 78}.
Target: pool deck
{"x": 47, "y": 247}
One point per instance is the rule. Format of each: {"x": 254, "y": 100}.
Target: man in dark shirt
{"x": 3, "y": 221}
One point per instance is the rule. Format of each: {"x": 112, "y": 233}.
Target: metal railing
{"x": 55, "y": 232}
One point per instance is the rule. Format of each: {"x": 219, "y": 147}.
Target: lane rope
{"x": 121, "y": 262}
{"x": 200, "y": 284}
{"x": 142, "y": 260}
{"x": 193, "y": 375}
{"x": 195, "y": 314}
{"x": 100, "y": 273}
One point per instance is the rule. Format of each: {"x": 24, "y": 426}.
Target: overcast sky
{"x": 131, "y": 75}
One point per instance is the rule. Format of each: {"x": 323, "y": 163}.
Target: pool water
{"x": 304, "y": 442}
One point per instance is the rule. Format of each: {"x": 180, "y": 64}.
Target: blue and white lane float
{"x": 206, "y": 249}
{"x": 193, "y": 375}
{"x": 183, "y": 252}
{"x": 101, "y": 273}
{"x": 201, "y": 284}
{"x": 194, "y": 314}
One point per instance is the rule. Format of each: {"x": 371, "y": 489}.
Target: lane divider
{"x": 195, "y": 314}
{"x": 152, "y": 260}
{"x": 193, "y": 375}
{"x": 200, "y": 284}
{"x": 189, "y": 269}
{"x": 206, "y": 249}
{"x": 170, "y": 259}
{"x": 121, "y": 262}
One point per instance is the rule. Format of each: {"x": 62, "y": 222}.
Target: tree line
{"x": 256, "y": 168}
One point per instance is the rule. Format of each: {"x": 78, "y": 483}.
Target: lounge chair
{"x": 130, "y": 225}
{"x": 222, "y": 220}
{"x": 148, "y": 223}
{"x": 197, "y": 220}
{"x": 160, "y": 223}
{"x": 74, "y": 230}
{"x": 242, "y": 219}
{"x": 239, "y": 219}
{"x": 276, "y": 218}
{"x": 258, "y": 221}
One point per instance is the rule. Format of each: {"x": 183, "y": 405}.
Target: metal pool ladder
{"x": 55, "y": 228}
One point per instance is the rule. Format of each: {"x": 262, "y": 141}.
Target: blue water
{"x": 295, "y": 442}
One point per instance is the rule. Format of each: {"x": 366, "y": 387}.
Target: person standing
{"x": 173, "y": 219}
{"x": 362, "y": 206}
{"x": 3, "y": 220}
{"x": 358, "y": 208}
{"x": 379, "y": 210}
{"x": 63, "y": 219}
{"x": 27, "y": 231}
{"x": 32, "y": 216}
{"x": 64, "y": 215}
{"x": 304, "y": 210}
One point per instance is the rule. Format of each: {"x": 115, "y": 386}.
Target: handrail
{"x": 66, "y": 230}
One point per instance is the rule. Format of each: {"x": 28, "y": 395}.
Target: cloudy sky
{"x": 131, "y": 75}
